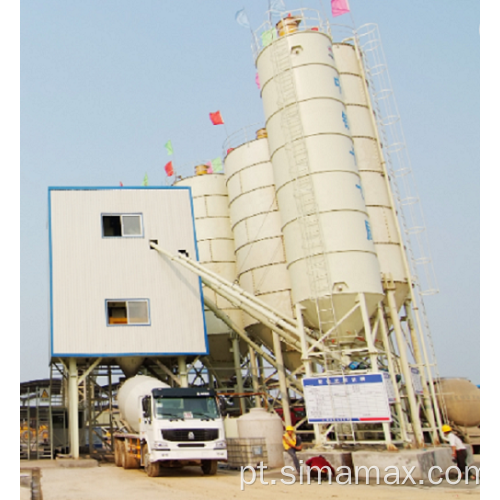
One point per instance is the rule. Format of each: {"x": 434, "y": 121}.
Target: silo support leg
{"x": 74, "y": 440}
{"x": 237, "y": 369}
{"x": 429, "y": 412}
{"x": 405, "y": 368}
{"x": 318, "y": 438}
{"x": 183, "y": 374}
{"x": 255, "y": 376}
{"x": 374, "y": 362}
{"x": 392, "y": 373}
{"x": 282, "y": 379}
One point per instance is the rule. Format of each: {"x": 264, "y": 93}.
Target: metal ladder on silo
{"x": 399, "y": 165}
{"x": 298, "y": 160}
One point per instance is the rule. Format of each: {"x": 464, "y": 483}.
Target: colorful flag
{"x": 216, "y": 118}
{"x": 145, "y": 181}
{"x": 257, "y": 81}
{"x": 268, "y": 36}
{"x": 217, "y": 165}
{"x": 242, "y": 18}
{"x": 339, "y": 7}
{"x": 277, "y": 5}
{"x": 169, "y": 169}
{"x": 170, "y": 149}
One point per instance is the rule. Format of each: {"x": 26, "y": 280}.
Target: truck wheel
{"x": 209, "y": 467}
{"x": 152, "y": 469}
{"x": 118, "y": 453}
{"x": 128, "y": 460}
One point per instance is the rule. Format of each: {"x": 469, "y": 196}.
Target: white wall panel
{"x": 87, "y": 270}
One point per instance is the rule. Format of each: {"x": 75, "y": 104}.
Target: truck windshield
{"x": 186, "y": 408}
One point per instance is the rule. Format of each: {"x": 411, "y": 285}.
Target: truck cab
{"x": 178, "y": 427}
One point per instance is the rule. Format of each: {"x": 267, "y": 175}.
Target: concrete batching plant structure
{"x": 310, "y": 293}
{"x": 316, "y": 229}
{"x": 113, "y": 300}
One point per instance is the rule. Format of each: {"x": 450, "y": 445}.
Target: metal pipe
{"x": 183, "y": 374}
{"x": 318, "y": 439}
{"x": 237, "y": 368}
{"x": 229, "y": 322}
{"x": 372, "y": 352}
{"x": 81, "y": 378}
{"x": 73, "y": 408}
{"x": 250, "y": 304}
{"x": 392, "y": 373}
{"x": 170, "y": 373}
{"x": 418, "y": 358}
{"x": 255, "y": 376}
{"x": 415, "y": 417}
{"x": 240, "y": 291}
{"x": 282, "y": 379}
{"x": 437, "y": 412}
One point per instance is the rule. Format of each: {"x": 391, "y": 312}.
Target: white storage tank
{"x": 259, "y": 423}
{"x": 216, "y": 252}
{"x": 372, "y": 169}
{"x": 328, "y": 238}
{"x": 231, "y": 427}
{"x": 129, "y": 397}
{"x": 256, "y": 224}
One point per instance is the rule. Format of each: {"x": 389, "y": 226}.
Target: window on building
{"x": 127, "y": 312}
{"x": 122, "y": 225}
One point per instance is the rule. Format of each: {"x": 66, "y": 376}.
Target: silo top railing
{"x": 283, "y": 23}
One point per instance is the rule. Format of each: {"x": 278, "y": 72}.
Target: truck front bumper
{"x": 188, "y": 454}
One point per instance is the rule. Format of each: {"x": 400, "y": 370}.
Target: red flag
{"x": 169, "y": 169}
{"x": 216, "y": 118}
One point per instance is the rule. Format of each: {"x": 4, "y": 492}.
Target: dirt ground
{"x": 110, "y": 482}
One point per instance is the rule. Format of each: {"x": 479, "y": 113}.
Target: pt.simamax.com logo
{"x": 390, "y": 475}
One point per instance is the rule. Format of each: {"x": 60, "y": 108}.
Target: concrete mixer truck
{"x": 463, "y": 409}
{"x": 169, "y": 427}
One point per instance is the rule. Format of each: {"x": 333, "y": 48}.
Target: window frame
{"x": 121, "y": 214}
{"x": 106, "y": 312}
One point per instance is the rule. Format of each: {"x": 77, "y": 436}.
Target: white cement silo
{"x": 328, "y": 241}
{"x": 256, "y": 224}
{"x": 216, "y": 253}
{"x": 372, "y": 169}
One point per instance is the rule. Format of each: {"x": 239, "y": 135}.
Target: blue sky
{"x": 104, "y": 85}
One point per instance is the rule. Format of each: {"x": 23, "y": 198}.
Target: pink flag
{"x": 121, "y": 184}
{"x": 339, "y": 7}
{"x": 257, "y": 81}
{"x": 210, "y": 170}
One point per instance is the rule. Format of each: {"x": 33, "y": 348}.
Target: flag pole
{"x": 350, "y": 15}
{"x": 227, "y": 134}
{"x": 174, "y": 162}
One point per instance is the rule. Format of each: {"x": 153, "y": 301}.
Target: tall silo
{"x": 216, "y": 253}
{"x": 371, "y": 165}
{"x": 382, "y": 213}
{"x": 328, "y": 238}
{"x": 256, "y": 224}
